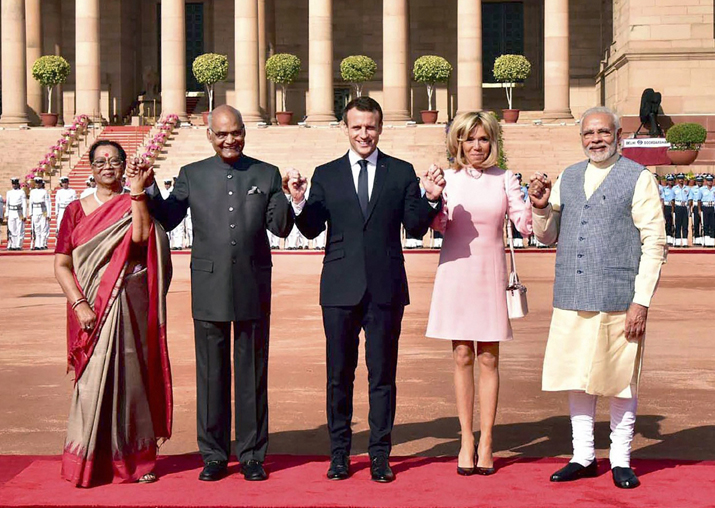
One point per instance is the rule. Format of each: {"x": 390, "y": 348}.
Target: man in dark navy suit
{"x": 364, "y": 197}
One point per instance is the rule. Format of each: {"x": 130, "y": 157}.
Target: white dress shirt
{"x": 354, "y": 159}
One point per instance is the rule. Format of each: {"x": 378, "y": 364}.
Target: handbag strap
{"x": 510, "y": 237}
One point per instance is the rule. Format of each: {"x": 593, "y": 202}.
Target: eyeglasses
{"x": 223, "y": 135}
{"x": 102, "y": 163}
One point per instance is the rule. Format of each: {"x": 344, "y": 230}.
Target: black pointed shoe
{"x": 253, "y": 471}
{"x": 213, "y": 471}
{"x": 380, "y": 469}
{"x": 625, "y": 478}
{"x": 575, "y": 471}
{"x": 468, "y": 471}
{"x": 484, "y": 471}
{"x": 339, "y": 467}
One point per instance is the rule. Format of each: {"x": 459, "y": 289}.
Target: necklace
{"x": 103, "y": 202}
{"x": 475, "y": 173}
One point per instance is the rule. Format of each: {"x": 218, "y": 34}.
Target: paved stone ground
{"x": 676, "y": 414}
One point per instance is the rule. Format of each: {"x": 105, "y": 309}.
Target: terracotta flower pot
{"x": 205, "y": 116}
{"x": 682, "y": 157}
{"x": 510, "y": 115}
{"x": 429, "y": 116}
{"x": 49, "y": 119}
{"x": 284, "y": 117}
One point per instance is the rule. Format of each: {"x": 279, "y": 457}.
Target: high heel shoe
{"x": 468, "y": 471}
{"x": 484, "y": 471}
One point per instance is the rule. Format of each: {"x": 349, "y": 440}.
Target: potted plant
{"x": 430, "y": 70}
{"x": 509, "y": 70}
{"x": 357, "y": 69}
{"x": 50, "y": 71}
{"x": 209, "y": 69}
{"x": 282, "y": 69}
{"x": 685, "y": 140}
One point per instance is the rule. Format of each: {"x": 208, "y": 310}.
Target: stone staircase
{"x": 131, "y": 138}
{"x": 529, "y": 148}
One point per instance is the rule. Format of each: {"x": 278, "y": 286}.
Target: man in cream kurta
{"x": 612, "y": 245}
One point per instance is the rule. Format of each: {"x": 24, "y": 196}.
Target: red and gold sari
{"x": 122, "y": 399}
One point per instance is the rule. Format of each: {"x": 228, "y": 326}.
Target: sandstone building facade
{"x": 583, "y": 53}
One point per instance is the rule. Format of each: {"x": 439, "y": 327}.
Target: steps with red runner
{"x": 131, "y": 138}
{"x": 299, "y": 481}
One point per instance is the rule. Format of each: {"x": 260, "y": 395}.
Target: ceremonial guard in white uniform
{"x": 273, "y": 240}
{"x": 295, "y": 240}
{"x": 63, "y": 197}
{"x": 16, "y": 212}
{"x": 40, "y": 209}
{"x": 189, "y": 228}
{"x": 91, "y": 187}
{"x": 176, "y": 235}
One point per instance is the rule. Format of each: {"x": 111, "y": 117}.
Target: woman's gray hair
{"x": 602, "y": 110}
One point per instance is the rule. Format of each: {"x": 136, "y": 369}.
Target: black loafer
{"x": 339, "y": 467}
{"x": 253, "y": 471}
{"x": 380, "y": 469}
{"x": 625, "y": 478}
{"x": 213, "y": 471}
{"x": 575, "y": 471}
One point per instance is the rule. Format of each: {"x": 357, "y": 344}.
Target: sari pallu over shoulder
{"x": 102, "y": 246}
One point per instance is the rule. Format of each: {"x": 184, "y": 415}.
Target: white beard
{"x": 603, "y": 156}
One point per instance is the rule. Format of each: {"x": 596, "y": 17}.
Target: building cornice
{"x": 657, "y": 55}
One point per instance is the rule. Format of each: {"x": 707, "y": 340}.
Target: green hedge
{"x": 210, "y": 68}
{"x": 282, "y": 68}
{"x": 511, "y": 68}
{"x": 686, "y": 136}
{"x": 357, "y": 68}
{"x": 432, "y": 69}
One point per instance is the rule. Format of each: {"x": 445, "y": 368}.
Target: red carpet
{"x": 299, "y": 481}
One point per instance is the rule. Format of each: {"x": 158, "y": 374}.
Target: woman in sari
{"x": 112, "y": 262}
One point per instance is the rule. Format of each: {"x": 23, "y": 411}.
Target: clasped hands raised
{"x": 432, "y": 180}
{"x": 539, "y": 190}
{"x": 140, "y": 174}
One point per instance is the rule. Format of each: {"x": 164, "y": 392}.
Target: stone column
{"x": 556, "y": 60}
{"x": 320, "y": 64}
{"x": 173, "y": 58}
{"x": 270, "y": 51}
{"x": 33, "y": 28}
{"x": 469, "y": 55}
{"x": 87, "y": 59}
{"x": 395, "y": 60}
{"x": 262, "y": 54}
{"x": 246, "y": 50}
{"x": 14, "y": 63}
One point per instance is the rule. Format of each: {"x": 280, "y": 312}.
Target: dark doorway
{"x": 194, "y": 42}
{"x": 341, "y": 97}
{"x": 502, "y": 33}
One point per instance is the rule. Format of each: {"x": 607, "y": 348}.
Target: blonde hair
{"x": 462, "y": 126}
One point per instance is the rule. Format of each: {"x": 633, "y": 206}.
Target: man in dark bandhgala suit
{"x": 364, "y": 197}
{"x": 234, "y": 199}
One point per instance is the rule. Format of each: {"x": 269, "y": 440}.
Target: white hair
{"x": 602, "y": 110}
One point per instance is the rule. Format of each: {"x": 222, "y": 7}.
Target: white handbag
{"x": 516, "y": 304}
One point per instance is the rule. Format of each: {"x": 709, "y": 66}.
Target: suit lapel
{"x": 378, "y": 184}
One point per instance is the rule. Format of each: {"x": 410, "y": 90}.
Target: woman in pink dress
{"x": 469, "y": 298}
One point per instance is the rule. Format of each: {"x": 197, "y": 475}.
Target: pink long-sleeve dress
{"x": 469, "y": 297}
